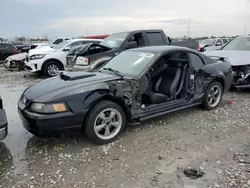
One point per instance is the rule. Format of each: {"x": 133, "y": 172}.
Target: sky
{"x": 35, "y": 18}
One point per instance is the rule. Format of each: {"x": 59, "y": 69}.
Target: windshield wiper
{"x": 114, "y": 71}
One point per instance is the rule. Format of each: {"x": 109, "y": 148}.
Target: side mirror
{"x": 131, "y": 44}
{"x": 66, "y": 49}
{"x": 170, "y": 40}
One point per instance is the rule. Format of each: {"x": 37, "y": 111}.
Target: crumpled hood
{"x": 42, "y": 50}
{"x": 17, "y": 57}
{"x": 51, "y": 88}
{"x": 235, "y": 57}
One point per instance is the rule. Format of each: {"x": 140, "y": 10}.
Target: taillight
{"x": 86, "y": 60}
{"x": 198, "y": 47}
{"x": 14, "y": 50}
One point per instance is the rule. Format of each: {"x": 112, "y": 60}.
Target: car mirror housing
{"x": 131, "y": 44}
{"x": 66, "y": 49}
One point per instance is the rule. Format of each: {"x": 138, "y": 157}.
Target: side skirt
{"x": 166, "y": 110}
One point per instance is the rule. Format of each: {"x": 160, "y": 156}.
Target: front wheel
{"x": 104, "y": 122}
{"x": 213, "y": 95}
{"x": 51, "y": 68}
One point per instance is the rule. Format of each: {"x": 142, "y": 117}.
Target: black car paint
{"x": 3, "y": 121}
{"x": 82, "y": 94}
{"x": 95, "y": 60}
{"x": 6, "y": 50}
{"x": 21, "y": 47}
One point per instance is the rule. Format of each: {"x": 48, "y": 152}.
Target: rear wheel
{"x": 104, "y": 122}
{"x": 213, "y": 95}
{"x": 51, "y": 68}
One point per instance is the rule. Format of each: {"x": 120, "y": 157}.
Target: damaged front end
{"x": 15, "y": 62}
{"x": 127, "y": 91}
{"x": 241, "y": 76}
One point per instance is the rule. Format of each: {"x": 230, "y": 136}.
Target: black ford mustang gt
{"x": 135, "y": 85}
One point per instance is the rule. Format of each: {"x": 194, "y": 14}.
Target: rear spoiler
{"x": 219, "y": 58}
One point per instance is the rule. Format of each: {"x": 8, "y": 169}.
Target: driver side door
{"x": 197, "y": 77}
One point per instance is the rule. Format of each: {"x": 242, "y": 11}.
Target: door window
{"x": 218, "y": 42}
{"x": 196, "y": 60}
{"x": 138, "y": 38}
{"x": 155, "y": 38}
{"x": 57, "y": 41}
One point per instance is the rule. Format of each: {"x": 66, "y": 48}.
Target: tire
{"x": 207, "y": 105}
{"x": 50, "y": 67}
{"x": 94, "y": 117}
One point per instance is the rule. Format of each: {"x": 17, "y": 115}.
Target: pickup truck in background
{"x": 92, "y": 56}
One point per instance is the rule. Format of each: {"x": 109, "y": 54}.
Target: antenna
{"x": 188, "y": 28}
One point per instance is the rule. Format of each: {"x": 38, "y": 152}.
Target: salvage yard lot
{"x": 152, "y": 154}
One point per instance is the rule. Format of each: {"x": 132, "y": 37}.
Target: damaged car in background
{"x": 15, "y": 62}
{"x": 94, "y": 56}
{"x": 135, "y": 85}
{"x": 238, "y": 54}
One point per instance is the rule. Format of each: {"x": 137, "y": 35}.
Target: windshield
{"x": 130, "y": 62}
{"x": 207, "y": 42}
{"x": 115, "y": 40}
{"x": 61, "y": 45}
{"x": 241, "y": 43}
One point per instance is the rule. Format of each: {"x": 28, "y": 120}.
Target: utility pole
{"x": 188, "y": 28}
{"x": 245, "y": 30}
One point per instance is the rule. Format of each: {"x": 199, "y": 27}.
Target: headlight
{"x": 37, "y": 56}
{"x": 49, "y": 108}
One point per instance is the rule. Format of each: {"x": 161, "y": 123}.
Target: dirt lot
{"x": 153, "y": 154}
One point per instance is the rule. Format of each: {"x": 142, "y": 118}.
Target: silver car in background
{"x": 213, "y": 44}
{"x": 238, "y": 53}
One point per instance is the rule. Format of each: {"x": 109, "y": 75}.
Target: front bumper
{"x": 33, "y": 65}
{"x": 80, "y": 68}
{"x": 40, "y": 124}
{"x": 3, "y": 125}
{"x": 13, "y": 65}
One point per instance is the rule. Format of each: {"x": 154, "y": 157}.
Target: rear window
{"x": 155, "y": 38}
{"x": 4, "y": 45}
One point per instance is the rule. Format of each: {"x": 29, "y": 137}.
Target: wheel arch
{"x": 221, "y": 81}
{"x": 55, "y": 60}
{"x": 108, "y": 97}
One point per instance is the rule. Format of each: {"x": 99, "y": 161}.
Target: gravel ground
{"x": 213, "y": 145}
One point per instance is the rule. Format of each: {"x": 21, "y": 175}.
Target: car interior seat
{"x": 168, "y": 83}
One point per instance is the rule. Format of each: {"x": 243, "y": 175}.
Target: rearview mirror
{"x": 66, "y": 49}
{"x": 131, "y": 44}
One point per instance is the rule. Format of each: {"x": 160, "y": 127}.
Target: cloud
{"x": 80, "y": 17}
{"x": 178, "y": 21}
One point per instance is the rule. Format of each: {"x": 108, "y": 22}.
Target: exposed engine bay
{"x": 241, "y": 75}
{"x": 15, "y": 62}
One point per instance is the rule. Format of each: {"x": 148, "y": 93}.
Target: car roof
{"x": 74, "y": 40}
{"x": 243, "y": 36}
{"x": 160, "y": 49}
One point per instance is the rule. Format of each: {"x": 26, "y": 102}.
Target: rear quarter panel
{"x": 219, "y": 70}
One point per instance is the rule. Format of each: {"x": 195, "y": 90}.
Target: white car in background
{"x": 51, "y": 60}
{"x": 213, "y": 44}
